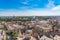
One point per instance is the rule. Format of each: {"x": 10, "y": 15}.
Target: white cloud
{"x": 24, "y": 7}
{"x": 24, "y": 2}
{"x": 50, "y": 4}
{"x": 30, "y": 13}
{"x": 56, "y": 8}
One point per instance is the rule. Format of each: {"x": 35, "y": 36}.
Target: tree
{"x": 14, "y": 33}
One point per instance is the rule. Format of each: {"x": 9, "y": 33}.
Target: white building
{"x": 57, "y": 37}
{"x": 2, "y": 35}
{"x": 45, "y": 38}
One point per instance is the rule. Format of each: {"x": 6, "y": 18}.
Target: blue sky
{"x": 29, "y": 7}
